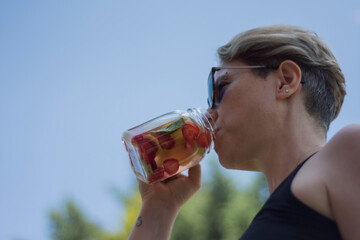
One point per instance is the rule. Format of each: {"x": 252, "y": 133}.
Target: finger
{"x": 142, "y": 186}
{"x": 170, "y": 178}
{"x": 195, "y": 175}
{"x": 141, "y": 183}
{"x": 177, "y": 176}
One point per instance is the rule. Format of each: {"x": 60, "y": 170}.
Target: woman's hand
{"x": 161, "y": 203}
{"x": 173, "y": 192}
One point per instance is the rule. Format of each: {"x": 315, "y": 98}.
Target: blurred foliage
{"x": 218, "y": 211}
{"x": 132, "y": 204}
{"x": 70, "y": 223}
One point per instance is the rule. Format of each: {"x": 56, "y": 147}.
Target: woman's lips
{"x": 216, "y": 130}
{"x": 216, "y": 133}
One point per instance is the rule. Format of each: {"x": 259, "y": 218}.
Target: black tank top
{"x": 283, "y": 216}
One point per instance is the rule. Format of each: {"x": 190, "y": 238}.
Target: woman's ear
{"x": 289, "y": 78}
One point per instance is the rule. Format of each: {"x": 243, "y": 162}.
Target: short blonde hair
{"x": 324, "y": 87}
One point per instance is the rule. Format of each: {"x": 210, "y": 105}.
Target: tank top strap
{"x": 294, "y": 172}
{"x": 285, "y": 185}
{"x": 283, "y": 216}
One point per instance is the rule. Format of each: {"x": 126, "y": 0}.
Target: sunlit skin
{"x": 262, "y": 125}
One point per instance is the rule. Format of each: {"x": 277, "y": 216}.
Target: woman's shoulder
{"x": 341, "y": 154}
{"x": 345, "y": 141}
{"x": 339, "y": 160}
{"x": 339, "y": 164}
{"x": 336, "y": 167}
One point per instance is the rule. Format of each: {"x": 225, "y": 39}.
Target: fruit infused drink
{"x": 169, "y": 144}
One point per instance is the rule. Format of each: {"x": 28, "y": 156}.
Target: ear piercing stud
{"x": 287, "y": 90}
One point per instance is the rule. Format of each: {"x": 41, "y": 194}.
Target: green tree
{"x": 132, "y": 204}
{"x": 218, "y": 211}
{"x": 191, "y": 221}
{"x": 242, "y": 208}
{"x": 221, "y": 191}
{"x": 71, "y": 224}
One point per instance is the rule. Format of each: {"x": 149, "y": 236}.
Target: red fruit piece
{"x": 190, "y": 131}
{"x": 166, "y": 142}
{"x": 153, "y": 164}
{"x": 148, "y": 149}
{"x": 156, "y": 175}
{"x": 171, "y": 165}
{"x": 137, "y": 140}
{"x": 189, "y": 148}
{"x": 204, "y": 140}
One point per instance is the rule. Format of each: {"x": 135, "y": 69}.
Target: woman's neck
{"x": 287, "y": 151}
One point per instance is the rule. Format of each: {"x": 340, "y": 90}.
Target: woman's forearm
{"x": 155, "y": 222}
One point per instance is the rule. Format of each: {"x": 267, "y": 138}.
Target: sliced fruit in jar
{"x": 190, "y": 131}
{"x": 136, "y": 140}
{"x": 178, "y": 138}
{"x": 166, "y": 141}
{"x": 189, "y": 147}
{"x": 156, "y": 175}
{"x": 153, "y": 164}
{"x": 204, "y": 140}
{"x": 172, "y": 127}
{"x": 147, "y": 169}
{"x": 153, "y": 139}
{"x": 150, "y": 159}
{"x": 148, "y": 149}
{"x": 171, "y": 166}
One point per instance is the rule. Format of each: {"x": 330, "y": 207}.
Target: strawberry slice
{"x": 137, "y": 140}
{"x": 204, "y": 140}
{"x": 189, "y": 148}
{"x": 171, "y": 166}
{"x": 156, "y": 175}
{"x": 153, "y": 164}
{"x": 190, "y": 131}
{"x": 166, "y": 142}
{"x": 148, "y": 149}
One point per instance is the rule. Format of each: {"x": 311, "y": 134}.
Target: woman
{"x": 274, "y": 95}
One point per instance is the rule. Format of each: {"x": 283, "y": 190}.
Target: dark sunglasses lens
{"x": 210, "y": 90}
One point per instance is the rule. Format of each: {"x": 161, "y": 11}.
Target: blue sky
{"x": 75, "y": 74}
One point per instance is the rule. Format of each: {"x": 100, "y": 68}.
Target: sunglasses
{"x": 215, "y": 91}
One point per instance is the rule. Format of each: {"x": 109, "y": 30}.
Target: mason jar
{"x": 169, "y": 144}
